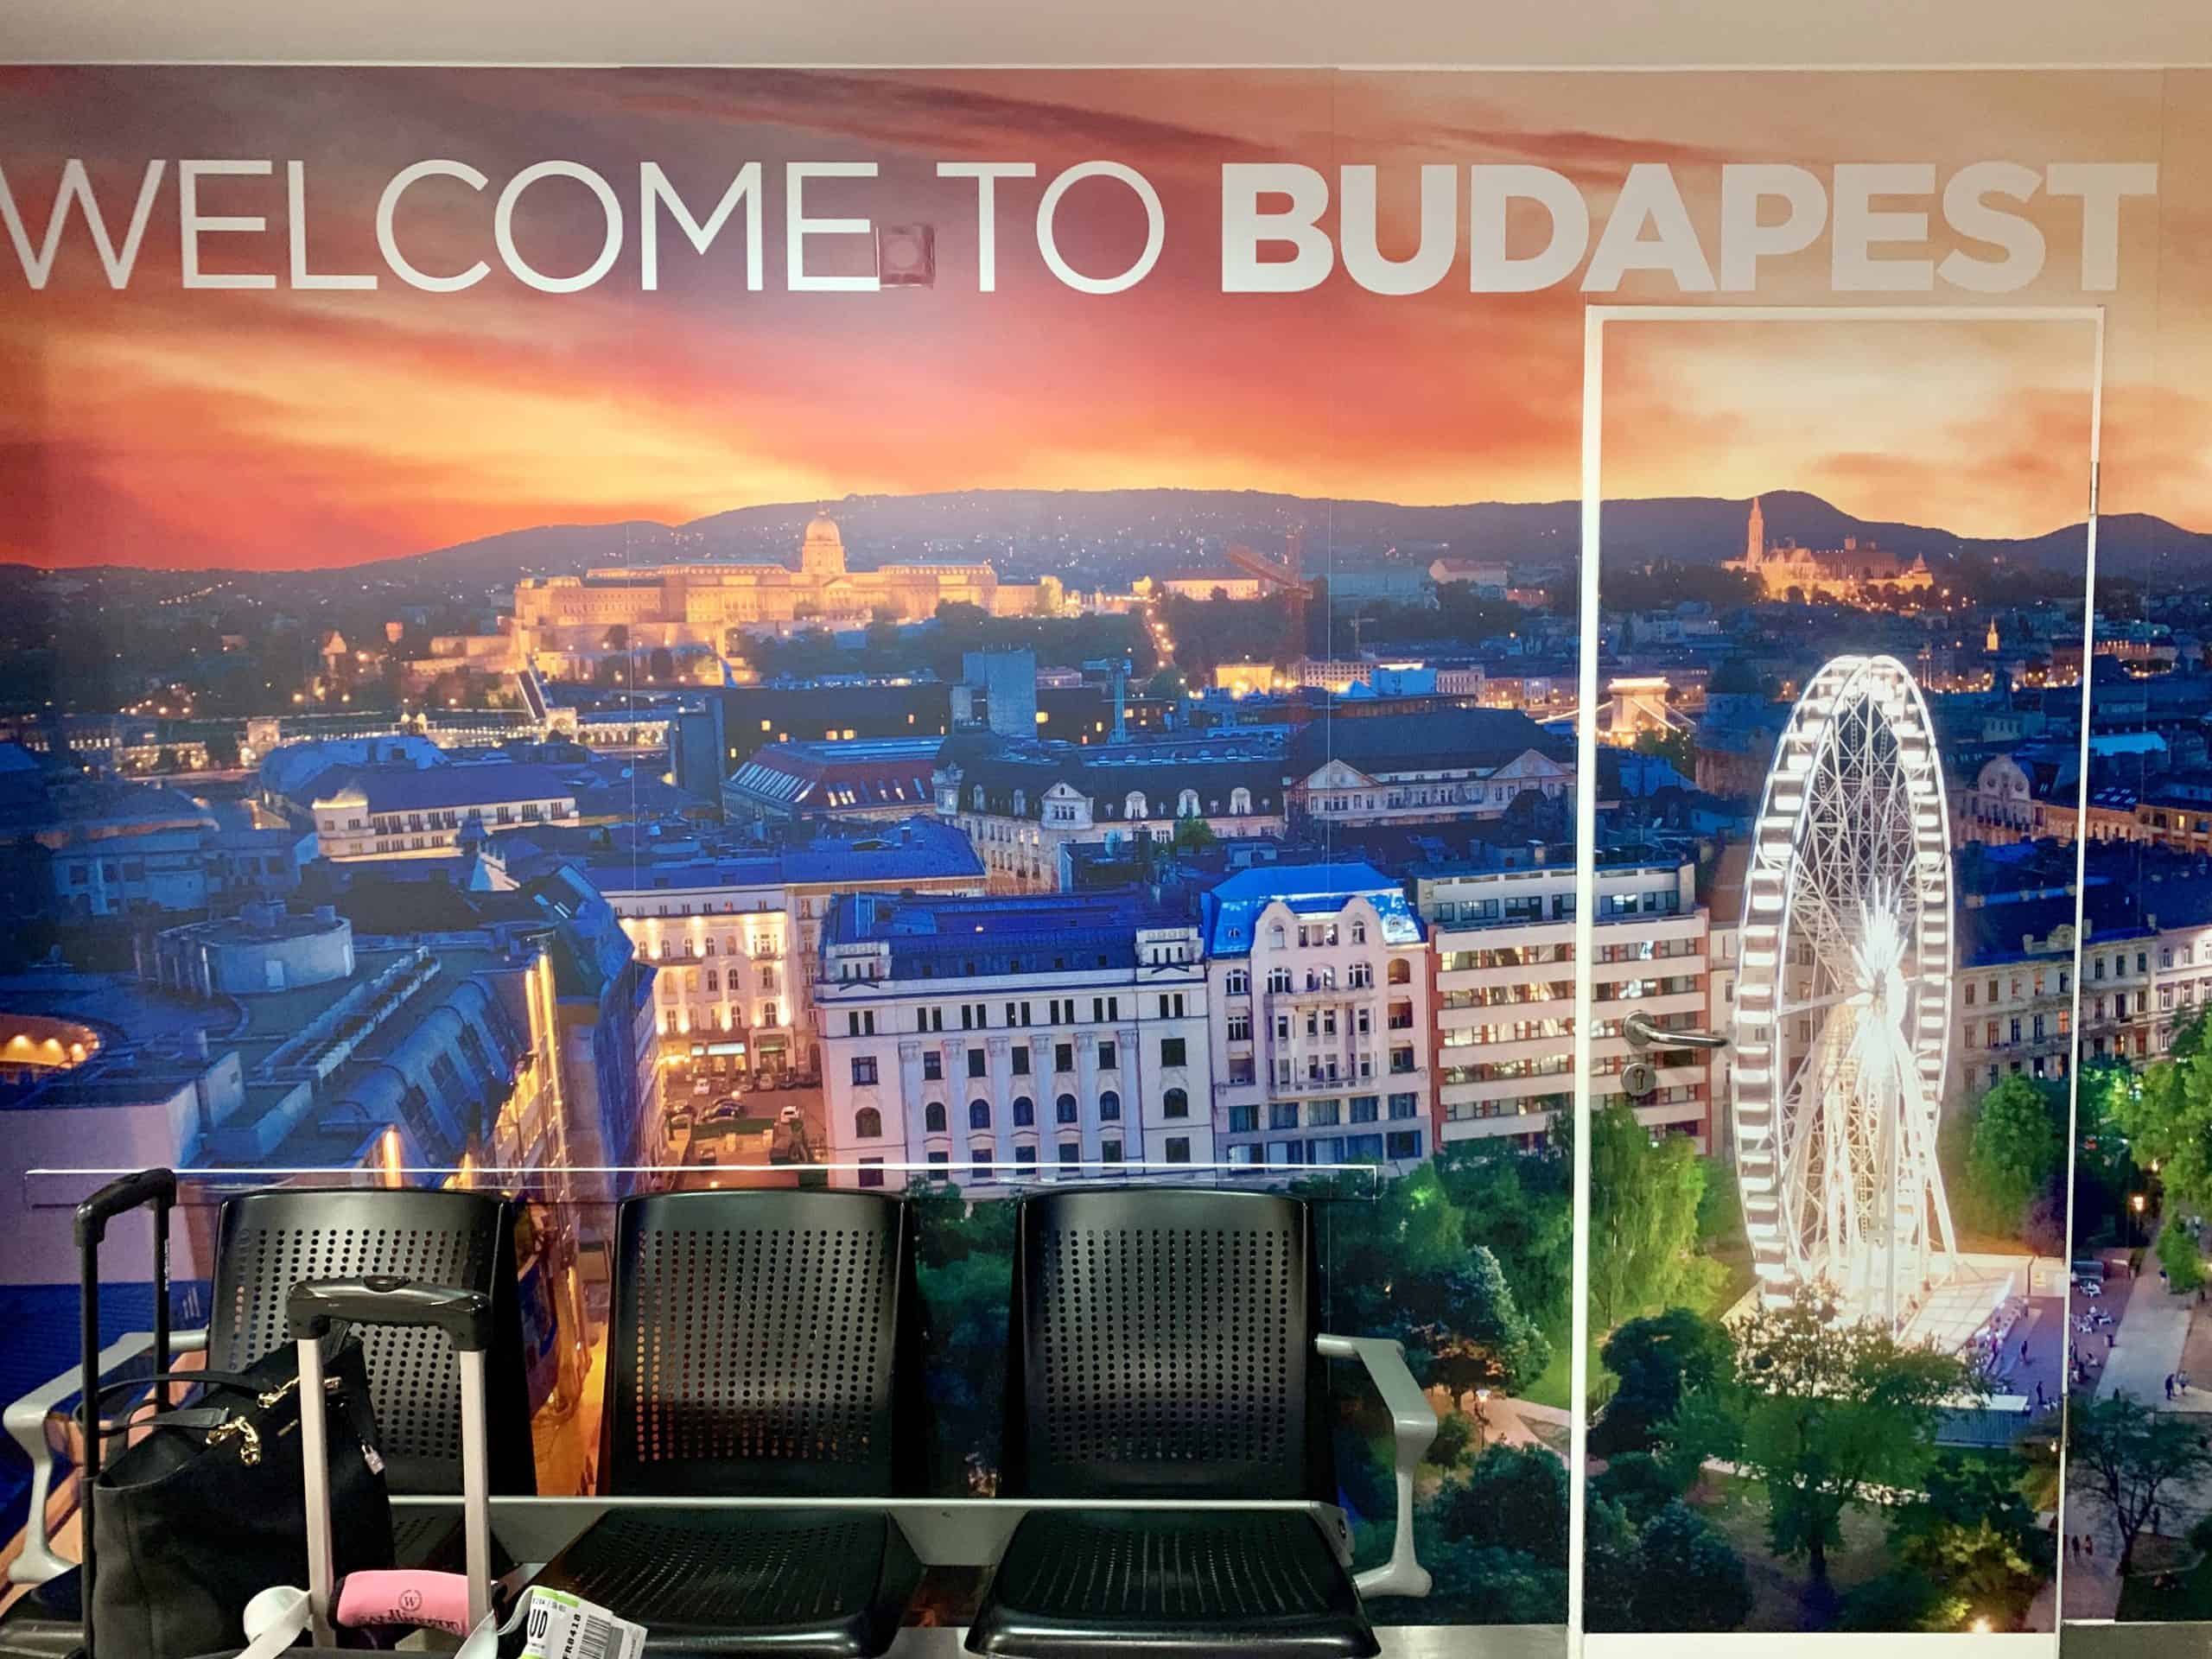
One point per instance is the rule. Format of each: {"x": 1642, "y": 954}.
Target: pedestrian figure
{"x": 2089, "y": 1544}
{"x": 788, "y": 1142}
{"x": 2154, "y": 1518}
{"x": 2169, "y": 1385}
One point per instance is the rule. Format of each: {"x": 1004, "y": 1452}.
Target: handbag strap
{"x": 238, "y": 1380}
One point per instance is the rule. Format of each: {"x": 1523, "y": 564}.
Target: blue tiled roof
{"x": 915, "y": 850}
{"x": 1233, "y": 907}
{"x": 1026, "y": 933}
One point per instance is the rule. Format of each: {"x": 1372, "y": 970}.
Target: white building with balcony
{"x": 982, "y": 1040}
{"x": 1318, "y": 987}
{"x": 1503, "y": 927}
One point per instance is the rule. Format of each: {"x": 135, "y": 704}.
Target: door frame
{"x": 1596, "y": 317}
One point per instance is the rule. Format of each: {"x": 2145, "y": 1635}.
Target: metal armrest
{"x": 1413, "y": 1427}
{"x": 25, "y": 1421}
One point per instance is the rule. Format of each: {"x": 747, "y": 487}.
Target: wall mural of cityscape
{"x": 603, "y": 676}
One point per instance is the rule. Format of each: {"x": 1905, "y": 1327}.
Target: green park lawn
{"x": 1550, "y": 1387}
{"x": 2189, "y": 1598}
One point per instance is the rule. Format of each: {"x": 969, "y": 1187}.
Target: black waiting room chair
{"x": 1164, "y": 1346}
{"x": 762, "y": 1343}
{"x": 266, "y": 1242}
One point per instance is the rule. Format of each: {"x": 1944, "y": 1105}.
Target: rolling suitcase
{"x": 200, "y": 1508}
{"x": 281, "y": 1614}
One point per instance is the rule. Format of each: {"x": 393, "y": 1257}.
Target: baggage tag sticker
{"x": 557, "y": 1626}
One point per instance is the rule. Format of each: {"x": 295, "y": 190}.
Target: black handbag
{"x": 205, "y": 1507}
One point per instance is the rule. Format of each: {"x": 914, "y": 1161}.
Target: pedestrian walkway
{"x": 2151, "y": 1335}
{"x": 2152, "y": 1341}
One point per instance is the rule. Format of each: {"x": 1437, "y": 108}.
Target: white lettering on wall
{"x": 1245, "y": 228}
{"x": 388, "y": 244}
{"x": 987, "y": 175}
{"x": 1746, "y": 237}
{"x": 1492, "y": 267}
{"x": 655, "y": 192}
{"x": 797, "y": 227}
{"x": 191, "y": 224}
{"x": 1156, "y": 227}
{"x": 296, "y": 224}
{"x": 503, "y": 227}
{"x": 77, "y": 189}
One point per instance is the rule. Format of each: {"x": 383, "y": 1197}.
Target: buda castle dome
{"x": 822, "y": 553}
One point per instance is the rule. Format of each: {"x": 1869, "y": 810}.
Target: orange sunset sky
{"x": 281, "y": 429}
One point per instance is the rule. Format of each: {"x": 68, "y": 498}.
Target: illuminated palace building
{"x": 562, "y": 620}
{"x": 1844, "y": 572}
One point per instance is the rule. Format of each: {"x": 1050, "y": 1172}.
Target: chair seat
{"x": 832, "y": 1583}
{"x": 44, "y": 1621}
{"x": 1108, "y": 1584}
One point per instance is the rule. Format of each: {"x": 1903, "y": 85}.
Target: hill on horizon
{"x": 1030, "y": 532}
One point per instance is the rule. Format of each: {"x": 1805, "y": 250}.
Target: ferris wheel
{"x": 1843, "y": 997}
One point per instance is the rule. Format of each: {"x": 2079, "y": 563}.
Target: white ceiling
{"x": 1493, "y": 33}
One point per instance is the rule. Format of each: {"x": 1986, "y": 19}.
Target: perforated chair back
{"x": 1162, "y": 1346}
{"x": 764, "y": 1343}
{"x": 268, "y": 1241}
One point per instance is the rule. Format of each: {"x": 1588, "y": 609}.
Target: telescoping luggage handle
{"x": 120, "y": 1196}
{"x": 466, "y": 1316}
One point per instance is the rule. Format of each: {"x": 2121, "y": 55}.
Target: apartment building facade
{"x": 1502, "y": 933}
{"x": 1319, "y": 986}
{"x": 992, "y": 1041}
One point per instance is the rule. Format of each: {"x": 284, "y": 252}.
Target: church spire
{"x": 1755, "y": 536}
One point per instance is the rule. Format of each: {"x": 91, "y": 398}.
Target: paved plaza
{"x": 2152, "y": 1343}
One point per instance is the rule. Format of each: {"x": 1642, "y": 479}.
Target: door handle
{"x": 1642, "y": 1034}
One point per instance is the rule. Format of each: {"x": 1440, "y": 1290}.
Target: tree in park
{"x": 2015, "y": 1152}
{"x": 1519, "y": 1206}
{"x": 2179, "y": 1256}
{"x": 1643, "y": 1220}
{"x": 1657, "y": 1358}
{"x": 2104, "y": 1170}
{"x": 1408, "y": 1272}
{"x": 1609, "y": 1567}
{"x": 1831, "y": 1412}
{"x": 1689, "y": 1577}
{"x": 965, "y": 1274}
{"x": 2134, "y": 1456}
{"x": 1639, "y": 1484}
{"x": 1973, "y": 1536}
{"x": 1513, "y": 1498}
{"x": 2167, "y": 1117}
{"x": 1490, "y": 1586}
